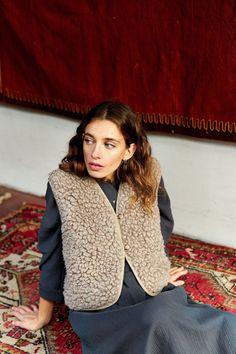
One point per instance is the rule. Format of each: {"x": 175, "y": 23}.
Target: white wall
{"x": 31, "y": 145}
{"x": 200, "y": 175}
{"x": 201, "y": 180}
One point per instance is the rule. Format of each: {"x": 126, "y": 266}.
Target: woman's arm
{"x": 167, "y": 224}
{"x": 167, "y": 221}
{"x": 52, "y": 270}
{"x": 52, "y": 267}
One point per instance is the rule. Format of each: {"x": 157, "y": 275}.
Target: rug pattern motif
{"x": 211, "y": 279}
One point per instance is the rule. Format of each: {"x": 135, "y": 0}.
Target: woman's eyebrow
{"x": 105, "y": 139}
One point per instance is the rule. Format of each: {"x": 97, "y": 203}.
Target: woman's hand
{"x": 175, "y": 273}
{"x": 28, "y": 317}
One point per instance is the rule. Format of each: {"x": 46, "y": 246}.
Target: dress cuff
{"x": 52, "y": 295}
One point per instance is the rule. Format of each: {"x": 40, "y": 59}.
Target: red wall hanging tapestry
{"x": 173, "y": 61}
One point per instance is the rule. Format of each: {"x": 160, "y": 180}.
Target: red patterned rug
{"x": 211, "y": 279}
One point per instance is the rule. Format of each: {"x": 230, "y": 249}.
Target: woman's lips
{"x": 95, "y": 166}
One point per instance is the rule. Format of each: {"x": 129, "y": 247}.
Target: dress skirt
{"x": 169, "y": 323}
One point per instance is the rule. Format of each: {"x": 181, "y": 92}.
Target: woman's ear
{"x": 130, "y": 151}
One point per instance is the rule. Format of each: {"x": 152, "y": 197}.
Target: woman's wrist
{"x": 44, "y": 320}
{"x": 45, "y": 310}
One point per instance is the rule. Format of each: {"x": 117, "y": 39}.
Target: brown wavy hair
{"x": 138, "y": 170}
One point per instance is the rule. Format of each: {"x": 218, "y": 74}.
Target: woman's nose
{"x": 96, "y": 151}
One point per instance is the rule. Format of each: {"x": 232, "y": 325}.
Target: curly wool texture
{"x": 96, "y": 241}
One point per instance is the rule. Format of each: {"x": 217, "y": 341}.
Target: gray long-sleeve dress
{"x": 169, "y": 323}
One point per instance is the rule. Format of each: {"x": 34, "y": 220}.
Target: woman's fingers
{"x": 19, "y": 324}
{"x": 26, "y": 317}
{"x": 19, "y": 316}
{"x": 179, "y": 274}
{"x": 25, "y": 308}
{"x": 24, "y": 313}
{"x": 175, "y": 273}
{"x": 35, "y": 308}
{"x": 175, "y": 269}
{"x": 178, "y": 283}
{"x": 22, "y": 316}
{"x": 21, "y": 310}
{"x": 28, "y": 323}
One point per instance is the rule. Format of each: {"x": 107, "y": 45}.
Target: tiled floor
{"x": 14, "y": 200}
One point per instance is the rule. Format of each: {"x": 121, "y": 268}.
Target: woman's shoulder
{"x": 156, "y": 165}
{"x": 59, "y": 178}
{"x": 58, "y": 173}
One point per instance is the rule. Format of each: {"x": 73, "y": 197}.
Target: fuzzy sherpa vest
{"x": 96, "y": 240}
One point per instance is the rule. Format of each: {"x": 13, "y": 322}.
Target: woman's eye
{"x": 88, "y": 141}
{"x": 109, "y": 146}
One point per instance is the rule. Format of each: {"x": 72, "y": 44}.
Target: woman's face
{"x": 104, "y": 149}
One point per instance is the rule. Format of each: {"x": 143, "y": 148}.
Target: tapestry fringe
{"x": 186, "y": 122}
{"x": 170, "y": 120}
{"x": 44, "y": 101}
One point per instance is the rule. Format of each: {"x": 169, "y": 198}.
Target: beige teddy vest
{"x": 96, "y": 240}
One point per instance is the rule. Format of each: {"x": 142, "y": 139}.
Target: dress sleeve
{"x": 167, "y": 221}
{"x": 52, "y": 268}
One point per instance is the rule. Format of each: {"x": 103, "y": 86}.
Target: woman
{"x": 103, "y": 252}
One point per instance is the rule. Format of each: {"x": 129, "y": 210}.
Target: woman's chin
{"x": 101, "y": 176}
